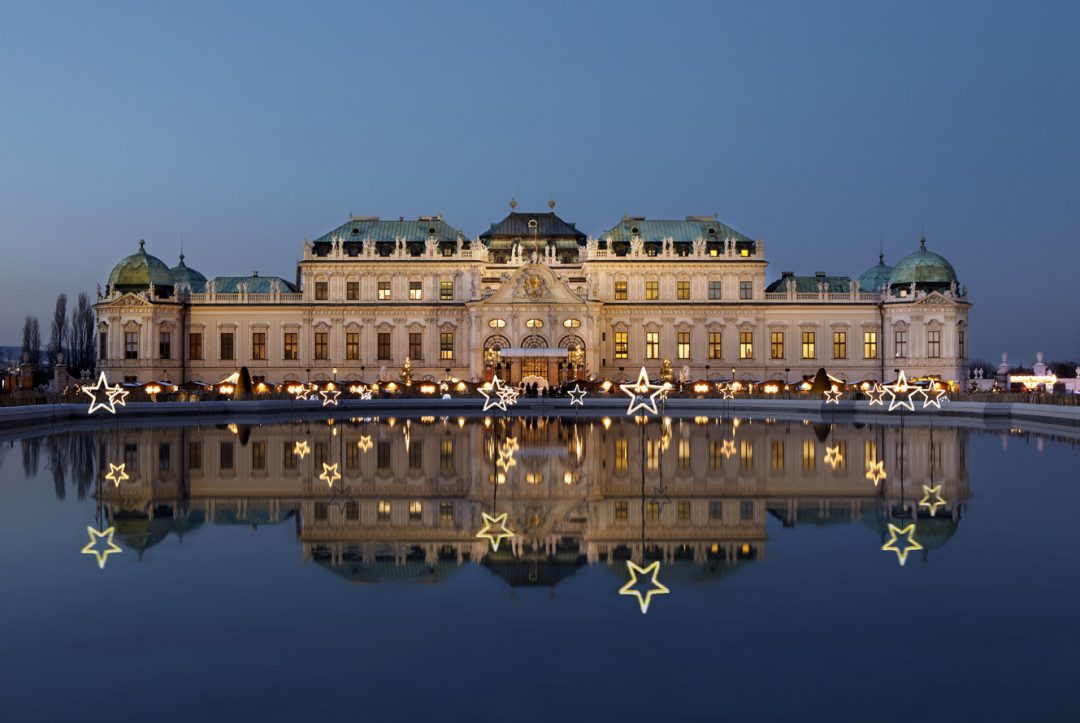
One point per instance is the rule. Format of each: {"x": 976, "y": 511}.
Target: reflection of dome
{"x": 930, "y": 532}
{"x": 138, "y": 271}
{"x": 927, "y": 270}
{"x": 876, "y": 278}
{"x": 188, "y": 277}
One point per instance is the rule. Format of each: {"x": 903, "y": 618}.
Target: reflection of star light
{"x": 877, "y": 395}
{"x": 653, "y": 569}
{"x": 727, "y": 448}
{"x": 330, "y": 473}
{"x": 901, "y": 388}
{"x": 364, "y": 443}
{"x": 493, "y": 397}
{"x": 875, "y": 471}
{"x": 506, "y": 460}
{"x": 329, "y": 396}
{"x": 577, "y": 396}
{"x": 301, "y": 449}
{"x": 638, "y": 389}
{"x": 511, "y": 444}
{"x": 932, "y": 504}
{"x": 833, "y": 457}
{"x": 116, "y": 473}
{"x": 832, "y": 396}
{"x": 115, "y": 395}
{"x": 494, "y": 530}
{"x": 895, "y": 533}
{"x": 101, "y": 552}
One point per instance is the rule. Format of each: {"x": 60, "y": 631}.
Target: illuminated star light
{"x": 509, "y": 394}
{"x": 833, "y": 458}
{"x": 116, "y": 473}
{"x": 651, "y": 570}
{"x": 728, "y": 448}
{"x": 329, "y": 396}
{"x": 895, "y": 533}
{"x": 832, "y": 396}
{"x": 301, "y": 448}
{"x": 935, "y": 400}
{"x": 877, "y": 395}
{"x": 115, "y": 394}
{"x": 364, "y": 443}
{"x": 932, "y": 504}
{"x": 727, "y": 391}
{"x": 506, "y": 460}
{"x": 493, "y": 398}
{"x": 101, "y": 553}
{"x": 901, "y": 388}
{"x": 875, "y": 471}
{"x": 494, "y": 530}
{"x": 330, "y": 474}
{"x": 511, "y": 444}
{"x": 301, "y": 393}
{"x": 577, "y": 396}
{"x": 638, "y": 389}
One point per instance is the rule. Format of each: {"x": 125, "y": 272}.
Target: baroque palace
{"x": 532, "y": 297}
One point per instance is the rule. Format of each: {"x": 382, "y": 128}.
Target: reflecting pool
{"x": 508, "y": 568}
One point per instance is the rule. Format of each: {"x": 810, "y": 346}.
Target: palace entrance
{"x": 534, "y": 366}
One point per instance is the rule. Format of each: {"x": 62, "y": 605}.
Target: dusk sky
{"x": 826, "y": 128}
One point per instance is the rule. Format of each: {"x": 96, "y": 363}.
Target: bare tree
{"x": 81, "y": 341}
{"x": 59, "y": 337}
{"x": 31, "y": 343}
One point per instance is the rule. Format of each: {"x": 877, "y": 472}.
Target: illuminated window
{"x": 497, "y": 323}
{"x": 416, "y": 345}
{"x": 416, "y": 510}
{"x": 384, "y": 291}
{"x": 446, "y": 290}
{"x": 622, "y": 510}
{"x": 715, "y": 287}
{"x": 446, "y": 456}
{"x": 258, "y": 345}
{"x": 620, "y": 291}
{"x": 652, "y": 345}
{"x": 746, "y": 453}
{"x": 839, "y": 345}
{"x": 446, "y": 512}
{"x": 777, "y": 455}
{"x": 901, "y": 342}
{"x": 746, "y": 345}
{"x": 534, "y": 323}
{"x": 227, "y": 351}
{"x": 776, "y": 345}
{"x": 572, "y": 323}
{"x": 683, "y": 339}
{"x": 715, "y": 345}
{"x": 869, "y": 340}
{"x": 652, "y": 290}
{"x": 716, "y": 454}
{"x": 682, "y": 511}
{"x": 322, "y": 345}
{"x": 809, "y": 451}
{"x": 383, "y": 345}
{"x": 384, "y": 509}
{"x": 652, "y": 510}
{"x": 933, "y": 344}
{"x": 621, "y": 345}
{"x": 352, "y": 290}
{"x": 622, "y": 454}
{"x": 416, "y": 291}
{"x": 446, "y": 345}
{"x": 809, "y": 345}
{"x": 746, "y": 290}
{"x": 352, "y": 345}
{"x": 290, "y": 346}
{"x": 682, "y": 290}
{"x": 869, "y": 453}
{"x": 684, "y": 454}
{"x": 322, "y": 292}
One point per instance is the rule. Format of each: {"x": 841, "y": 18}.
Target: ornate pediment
{"x": 935, "y": 298}
{"x": 130, "y": 300}
{"x": 533, "y": 284}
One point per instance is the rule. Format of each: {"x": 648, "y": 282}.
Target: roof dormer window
{"x": 532, "y": 223}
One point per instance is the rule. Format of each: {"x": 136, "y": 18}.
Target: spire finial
{"x": 513, "y": 203}
{"x": 551, "y": 203}
{"x": 142, "y": 244}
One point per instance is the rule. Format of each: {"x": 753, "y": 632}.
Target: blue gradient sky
{"x": 825, "y": 128}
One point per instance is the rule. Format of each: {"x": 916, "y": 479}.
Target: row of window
{"x": 416, "y": 290}
{"x": 290, "y": 347}
{"x": 682, "y": 510}
{"x": 534, "y": 323}
{"x": 682, "y": 290}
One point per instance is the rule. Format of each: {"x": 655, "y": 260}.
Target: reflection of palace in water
{"x": 409, "y": 501}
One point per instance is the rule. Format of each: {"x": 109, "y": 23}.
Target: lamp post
{"x": 732, "y": 375}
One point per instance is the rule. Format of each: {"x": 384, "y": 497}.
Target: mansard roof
{"x": 545, "y": 226}
{"x": 655, "y": 231}
{"x": 255, "y": 284}
{"x": 361, "y": 228}
{"x": 809, "y": 284}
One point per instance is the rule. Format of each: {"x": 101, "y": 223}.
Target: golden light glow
{"x": 606, "y": 421}
{"x": 932, "y": 504}
{"x": 101, "y": 545}
{"x": 153, "y": 389}
{"x": 301, "y": 448}
{"x": 364, "y": 442}
{"x": 701, "y": 388}
{"x": 638, "y": 389}
{"x": 728, "y": 448}
{"x": 1033, "y": 381}
{"x": 114, "y": 395}
{"x": 606, "y": 386}
{"x": 300, "y": 391}
{"x": 506, "y": 460}
{"x": 651, "y": 571}
{"x": 833, "y": 458}
{"x": 226, "y": 388}
{"x": 771, "y": 388}
{"x": 875, "y": 471}
{"x": 330, "y": 474}
{"x": 494, "y": 530}
{"x": 428, "y": 388}
{"x": 116, "y": 473}
{"x": 329, "y": 396}
{"x": 910, "y": 543}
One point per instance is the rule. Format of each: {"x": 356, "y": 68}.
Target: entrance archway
{"x": 574, "y": 368}
{"x": 493, "y": 363}
{"x": 534, "y": 365}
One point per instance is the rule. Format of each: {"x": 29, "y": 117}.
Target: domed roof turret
{"x": 184, "y": 275}
{"x": 876, "y": 278}
{"x": 927, "y": 270}
{"x": 138, "y": 271}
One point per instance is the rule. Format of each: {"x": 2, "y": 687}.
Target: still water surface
{"x": 302, "y": 570}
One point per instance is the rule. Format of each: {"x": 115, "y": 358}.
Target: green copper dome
{"x": 876, "y": 278}
{"x": 927, "y": 270}
{"x": 183, "y": 275}
{"x": 138, "y": 271}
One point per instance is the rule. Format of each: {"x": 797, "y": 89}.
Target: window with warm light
{"x": 384, "y": 291}
{"x": 446, "y": 345}
{"x": 776, "y": 454}
{"x": 746, "y": 453}
{"x": 716, "y": 348}
{"x": 746, "y": 345}
{"x": 776, "y": 345}
{"x": 416, "y": 510}
{"x": 682, "y": 290}
{"x": 384, "y": 509}
{"x": 622, "y": 510}
{"x": 352, "y": 345}
{"x": 839, "y": 345}
{"x": 652, "y": 510}
{"x": 622, "y": 345}
{"x": 446, "y": 290}
{"x": 416, "y": 291}
{"x": 652, "y": 290}
{"x": 258, "y": 345}
{"x": 683, "y": 344}
{"x": 809, "y": 345}
{"x": 497, "y": 323}
{"x": 572, "y": 323}
{"x": 622, "y": 454}
{"x": 870, "y": 345}
{"x": 809, "y": 452}
{"x": 290, "y": 346}
{"x": 534, "y": 323}
{"x": 682, "y": 511}
{"x": 652, "y": 345}
{"x": 620, "y": 291}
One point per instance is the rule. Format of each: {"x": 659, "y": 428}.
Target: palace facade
{"x": 532, "y": 297}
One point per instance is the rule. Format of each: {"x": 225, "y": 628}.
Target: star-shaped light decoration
{"x": 577, "y": 396}
{"x": 494, "y": 530}
{"x": 728, "y": 448}
{"x": 934, "y": 398}
{"x": 511, "y": 444}
{"x": 509, "y": 394}
{"x": 116, "y": 473}
{"x": 877, "y": 395}
{"x": 493, "y": 398}
{"x": 656, "y": 587}
{"x": 832, "y": 396}
{"x": 727, "y": 391}
{"x": 300, "y": 391}
{"x": 101, "y": 545}
{"x": 936, "y": 501}
{"x": 329, "y": 396}
{"x": 366, "y": 395}
{"x": 875, "y": 471}
{"x": 506, "y": 460}
{"x": 901, "y": 388}
{"x": 910, "y": 543}
{"x": 301, "y": 448}
{"x": 637, "y": 392}
{"x": 330, "y": 474}
{"x": 114, "y": 395}
{"x": 833, "y": 458}
{"x": 365, "y": 443}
